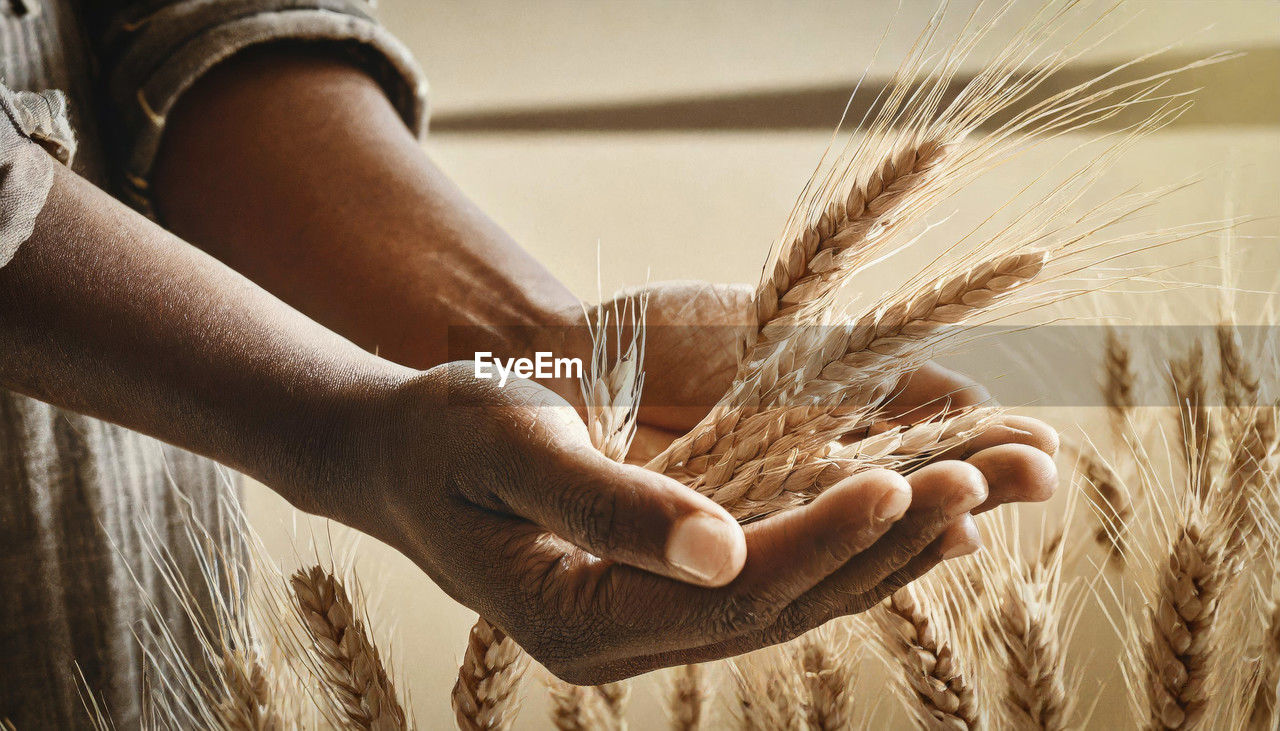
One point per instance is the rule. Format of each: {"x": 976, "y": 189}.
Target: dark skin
{"x": 295, "y": 171}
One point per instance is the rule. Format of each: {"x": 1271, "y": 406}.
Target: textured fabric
{"x": 30, "y": 124}
{"x": 156, "y": 52}
{"x": 75, "y": 492}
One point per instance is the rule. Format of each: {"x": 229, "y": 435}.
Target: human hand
{"x": 601, "y": 570}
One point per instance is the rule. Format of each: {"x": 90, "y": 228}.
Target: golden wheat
{"x": 486, "y": 694}
{"x": 828, "y": 681}
{"x": 348, "y": 662}
{"x": 939, "y": 694}
{"x": 687, "y": 696}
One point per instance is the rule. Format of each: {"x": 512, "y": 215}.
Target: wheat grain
{"x": 939, "y": 694}
{"x": 347, "y": 659}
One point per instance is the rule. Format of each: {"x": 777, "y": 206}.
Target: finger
{"x": 932, "y": 390}
{"x": 630, "y": 515}
{"x": 1008, "y": 429}
{"x": 943, "y": 494}
{"x": 794, "y": 622}
{"x": 1016, "y": 473}
{"x": 792, "y": 551}
{"x": 787, "y": 554}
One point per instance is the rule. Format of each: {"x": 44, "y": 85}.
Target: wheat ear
{"x": 807, "y": 269}
{"x": 249, "y": 704}
{"x": 1119, "y": 382}
{"x": 578, "y": 708}
{"x": 615, "y": 697}
{"x": 1237, "y": 376}
{"x": 1195, "y": 420}
{"x": 769, "y": 695}
{"x": 486, "y": 693}
{"x": 877, "y": 350}
{"x": 939, "y": 694}
{"x": 1036, "y": 695}
{"x": 828, "y": 682}
{"x": 1263, "y": 714}
{"x": 1110, "y": 502}
{"x": 686, "y": 698}
{"x": 345, "y": 656}
{"x": 1181, "y": 622}
{"x": 884, "y": 339}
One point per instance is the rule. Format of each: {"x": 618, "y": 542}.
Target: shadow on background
{"x": 1238, "y": 92}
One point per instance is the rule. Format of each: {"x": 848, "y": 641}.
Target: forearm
{"x": 104, "y": 313}
{"x": 297, "y": 172}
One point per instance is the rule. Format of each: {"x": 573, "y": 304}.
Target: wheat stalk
{"x": 939, "y": 694}
{"x": 686, "y": 698}
{"x": 345, "y": 655}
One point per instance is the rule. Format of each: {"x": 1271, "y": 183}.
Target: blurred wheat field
{"x": 645, "y": 196}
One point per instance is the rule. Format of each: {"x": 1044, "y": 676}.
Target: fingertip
{"x": 956, "y": 487}
{"x": 960, "y": 539}
{"x": 708, "y": 550}
{"x": 881, "y": 494}
{"x": 1036, "y": 433}
{"x": 1021, "y": 472}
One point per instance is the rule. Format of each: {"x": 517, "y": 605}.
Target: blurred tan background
{"x": 676, "y": 136}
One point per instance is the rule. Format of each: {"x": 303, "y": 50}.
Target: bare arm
{"x": 297, "y": 171}
{"x": 104, "y": 313}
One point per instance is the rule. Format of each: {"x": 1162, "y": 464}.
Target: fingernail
{"x": 970, "y": 499}
{"x": 962, "y": 541}
{"x": 892, "y": 505}
{"x": 702, "y": 546}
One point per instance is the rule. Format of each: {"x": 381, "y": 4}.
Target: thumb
{"x": 633, "y": 516}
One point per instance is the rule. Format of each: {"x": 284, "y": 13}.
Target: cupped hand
{"x": 601, "y": 570}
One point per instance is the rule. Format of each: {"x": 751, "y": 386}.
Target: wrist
{"x": 332, "y": 442}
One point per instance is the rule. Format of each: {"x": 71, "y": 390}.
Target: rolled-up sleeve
{"x": 152, "y": 52}
{"x": 35, "y": 135}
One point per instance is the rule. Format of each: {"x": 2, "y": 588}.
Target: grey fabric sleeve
{"x": 35, "y": 134}
{"x": 155, "y": 51}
